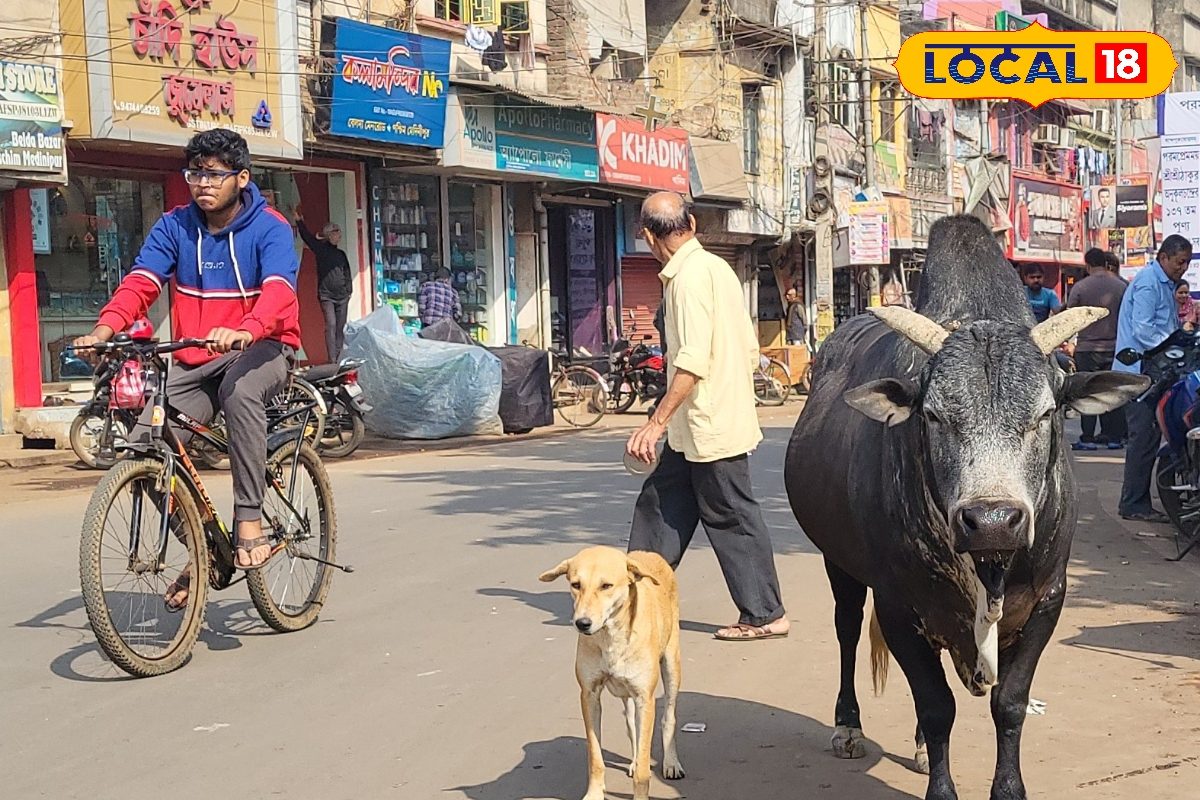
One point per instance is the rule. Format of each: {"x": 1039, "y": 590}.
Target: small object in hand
{"x": 635, "y": 467}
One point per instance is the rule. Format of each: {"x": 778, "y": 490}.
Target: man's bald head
{"x": 667, "y": 223}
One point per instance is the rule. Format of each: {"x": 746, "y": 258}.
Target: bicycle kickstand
{"x": 309, "y": 557}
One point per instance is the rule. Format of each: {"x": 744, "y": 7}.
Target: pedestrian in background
{"x": 438, "y": 300}
{"x": 797, "y": 325}
{"x": 1114, "y": 265}
{"x": 1042, "y": 301}
{"x": 1097, "y": 343}
{"x": 1148, "y": 317}
{"x": 335, "y": 280}
{"x": 708, "y": 416}
{"x": 1189, "y": 311}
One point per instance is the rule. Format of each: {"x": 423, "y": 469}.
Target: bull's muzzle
{"x": 990, "y": 525}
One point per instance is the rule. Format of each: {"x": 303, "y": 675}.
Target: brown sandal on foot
{"x": 748, "y": 633}
{"x": 181, "y": 584}
{"x": 246, "y": 547}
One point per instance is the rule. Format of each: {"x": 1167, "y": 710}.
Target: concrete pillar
{"x": 22, "y": 313}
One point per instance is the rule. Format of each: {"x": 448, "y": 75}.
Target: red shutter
{"x": 641, "y": 293}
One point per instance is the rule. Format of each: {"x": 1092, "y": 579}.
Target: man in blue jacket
{"x": 1148, "y": 317}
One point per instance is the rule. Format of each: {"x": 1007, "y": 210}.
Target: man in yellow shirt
{"x": 709, "y": 417}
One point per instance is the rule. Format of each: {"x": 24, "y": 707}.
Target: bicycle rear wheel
{"x": 773, "y": 384}
{"x": 298, "y": 395}
{"x": 579, "y": 397}
{"x": 289, "y": 591}
{"x": 124, "y": 585}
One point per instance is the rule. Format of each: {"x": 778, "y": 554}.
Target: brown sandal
{"x": 748, "y": 633}
{"x": 181, "y": 584}
{"x": 246, "y": 547}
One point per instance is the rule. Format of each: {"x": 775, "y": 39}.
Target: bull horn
{"x": 1060, "y": 328}
{"x": 920, "y": 330}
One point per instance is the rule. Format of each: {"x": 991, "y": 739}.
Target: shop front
{"x": 1047, "y": 228}
{"x": 32, "y": 165}
{"x": 500, "y": 147}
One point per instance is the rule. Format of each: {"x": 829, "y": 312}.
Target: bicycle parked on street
{"x": 151, "y": 526}
{"x": 578, "y": 392}
{"x": 772, "y": 382}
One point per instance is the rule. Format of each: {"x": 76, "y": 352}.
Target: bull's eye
{"x": 1046, "y": 416}
{"x": 604, "y": 587}
{"x": 932, "y": 417}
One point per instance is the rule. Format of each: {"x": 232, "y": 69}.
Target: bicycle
{"x": 772, "y": 382}
{"x": 579, "y": 393}
{"x": 186, "y": 544}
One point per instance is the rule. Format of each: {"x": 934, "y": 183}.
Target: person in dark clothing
{"x": 335, "y": 281}
{"x": 1096, "y": 345}
{"x": 797, "y": 325}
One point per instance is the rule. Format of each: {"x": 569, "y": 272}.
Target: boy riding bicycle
{"x": 234, "y": 268}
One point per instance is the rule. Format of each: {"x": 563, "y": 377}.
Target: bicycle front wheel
{"x": 579, "y": 397}
{"x": 125, "y": 583}
{"x": 773, "y": 384}
{"x": 289, "y": 590}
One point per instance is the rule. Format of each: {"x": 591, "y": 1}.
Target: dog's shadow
{"x": 748, "y": 750}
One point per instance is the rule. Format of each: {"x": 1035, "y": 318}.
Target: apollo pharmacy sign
{"x": 631, "y": 155}
{"x": 1035, "y": 65}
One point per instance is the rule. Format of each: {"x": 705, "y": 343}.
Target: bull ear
{"x": 1095, "y": 393}
{"x": 890, "y": 401}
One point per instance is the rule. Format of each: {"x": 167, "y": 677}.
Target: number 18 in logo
{"x": 1121, "y": 63}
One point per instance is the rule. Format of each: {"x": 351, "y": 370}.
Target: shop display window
{"x": 406, "y": 240}
{"x": 471, "y": 254}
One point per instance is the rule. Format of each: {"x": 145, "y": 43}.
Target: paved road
{"x": 442, "y": 668}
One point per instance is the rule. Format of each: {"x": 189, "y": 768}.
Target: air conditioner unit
{"x": 1046, "y": 134}
{"x": 1066, "y": 138}
{"x": 1102, "y": 119}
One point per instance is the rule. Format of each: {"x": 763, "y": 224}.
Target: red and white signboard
{"x": 630, "y": 155}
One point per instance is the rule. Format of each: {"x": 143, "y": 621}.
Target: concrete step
{"x": 24, "y": 459}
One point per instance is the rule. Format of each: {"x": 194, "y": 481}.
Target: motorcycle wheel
{"x": 344, "y": 432}
{"x": 86, "y": 430}
{"x": 623, "y": 397}
{"x": 1172, "y": 472}
{"x": 207, "y": 456}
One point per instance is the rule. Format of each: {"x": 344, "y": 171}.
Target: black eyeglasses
{"x": 208, "y": 177}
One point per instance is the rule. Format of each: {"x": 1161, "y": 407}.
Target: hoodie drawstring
{"x": 237, "y": 272}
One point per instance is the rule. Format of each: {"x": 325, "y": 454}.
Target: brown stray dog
{"x": 627, "y": 614}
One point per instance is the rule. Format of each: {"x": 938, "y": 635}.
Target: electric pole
{"x": 868, "y": 133}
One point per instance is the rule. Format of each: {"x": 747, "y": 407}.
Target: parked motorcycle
{"x": 1175, "y": 368}
{"x": 637, "y": 372}
{"x": 344, "y": 426}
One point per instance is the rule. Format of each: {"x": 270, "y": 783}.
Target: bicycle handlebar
{"x": 148, "y": 348}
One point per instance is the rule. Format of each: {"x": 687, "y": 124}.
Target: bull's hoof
{"x": 848, "y": 742}
{"x": 921, "y": 761}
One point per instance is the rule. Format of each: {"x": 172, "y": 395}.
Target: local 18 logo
{"x": 1035, "y": 65}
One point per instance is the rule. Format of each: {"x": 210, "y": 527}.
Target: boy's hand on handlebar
{"x": 222, "y": 340}
{"x": 99, "y": 335}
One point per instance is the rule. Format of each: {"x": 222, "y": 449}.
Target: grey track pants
{"x": 240, "y": 384}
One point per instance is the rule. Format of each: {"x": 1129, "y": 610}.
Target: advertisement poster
{"x": 870, "y": 242}
{"x": 39, "y": 207}
{"x": 1047, "y": 221}
{"x": 31, "y": 138}
{"x": 389, "y": 86}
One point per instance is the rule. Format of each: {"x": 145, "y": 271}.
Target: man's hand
{"x": 224, "y": 339}
{"x": 643, "y": 445}
{"x": 101, "y": 333}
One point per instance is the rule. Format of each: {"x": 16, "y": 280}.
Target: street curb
{"x": 36, "y": 458}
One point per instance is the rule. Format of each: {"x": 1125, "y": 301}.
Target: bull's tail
{"x": 880, "y": 655}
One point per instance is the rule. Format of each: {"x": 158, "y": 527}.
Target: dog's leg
{"x": 641, "y": 757}
{"x": 631, "y": 724}
{"x": 590, "y": 701}
{"x": 671, "y": 674}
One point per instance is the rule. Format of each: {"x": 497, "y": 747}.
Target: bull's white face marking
{"x": 987, "y": 633}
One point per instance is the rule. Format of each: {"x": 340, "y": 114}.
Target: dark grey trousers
{"x": 335, "y": 326}
{"x": 1140, "y": 453}
{"x": 1112, "y": 424}
{"x": 240, "y": 384}
{"x": 679, "y": 494}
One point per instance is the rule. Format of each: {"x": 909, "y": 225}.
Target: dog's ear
{"x": 557, "y": 572}
{"x": 636, "y": 574}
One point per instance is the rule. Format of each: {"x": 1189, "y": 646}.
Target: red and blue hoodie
{"x": 242, "y": 277}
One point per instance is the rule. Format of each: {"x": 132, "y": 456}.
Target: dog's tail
{"x": 880, "y": 655}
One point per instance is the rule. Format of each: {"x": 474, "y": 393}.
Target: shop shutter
{"x": 729, "y": 252}
{"x": 641, "y": 293}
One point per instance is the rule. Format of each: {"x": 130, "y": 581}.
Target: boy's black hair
{"x": 222, "y": 144}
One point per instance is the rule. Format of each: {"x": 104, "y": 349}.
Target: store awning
{"x": 717, "y": 172}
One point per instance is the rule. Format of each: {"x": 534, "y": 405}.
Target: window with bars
{"x": 844, "y": 99}
{"x": 888, "y": 95}
{"x": 751, "y": 120}
{"x": 510, "y": 15}
{"x": 1191, "y": 76}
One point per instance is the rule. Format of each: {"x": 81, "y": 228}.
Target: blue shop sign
{"x": 389, "y": 86}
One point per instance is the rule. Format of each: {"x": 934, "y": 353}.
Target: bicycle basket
{"x": 129, "y": 386}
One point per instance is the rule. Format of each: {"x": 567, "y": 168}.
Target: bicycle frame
{"x": 166, "y": 446}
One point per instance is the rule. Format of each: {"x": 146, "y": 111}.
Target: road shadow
{"x": 573, "y": 490}
{"x": 1142, "y": 641}
{"x": 749, "y": 751}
